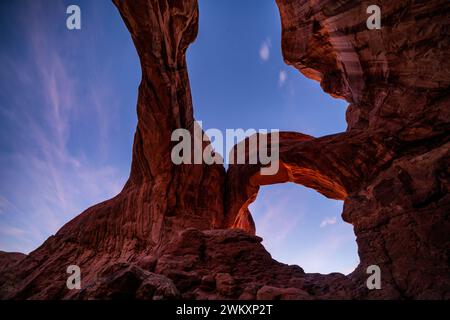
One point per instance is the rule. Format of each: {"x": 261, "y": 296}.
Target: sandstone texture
{"x": 185, "y": 231}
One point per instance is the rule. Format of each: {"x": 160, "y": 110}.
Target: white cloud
{"x": 282, "y": 78}
{"x": 264, "y": 51}
{"x": 328, "y": 221}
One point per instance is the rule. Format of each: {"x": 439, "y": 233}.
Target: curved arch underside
{"x": 328, "y": 165}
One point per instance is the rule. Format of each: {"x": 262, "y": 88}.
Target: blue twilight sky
{"x": 68, "y": 115}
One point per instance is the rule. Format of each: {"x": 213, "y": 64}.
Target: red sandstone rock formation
{"x": 391, "y": 166}
{"x": 171, "y": 232}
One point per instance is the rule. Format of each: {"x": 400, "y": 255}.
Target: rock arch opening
{"x": 319, "y": 178}
{"x": 300, "y": 226}
{"x": 239, "y": 79}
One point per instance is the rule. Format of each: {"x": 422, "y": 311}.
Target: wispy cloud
{"x": 47, "y": 183}
{"x": 3, "y": 204}
{"x": 11, "y": 231}
{"x": 282, "y": 78}
{"x": 331, "y": 254}
{"x": 264, "y": 50}
{"x": 287, "y": 216}
{"x": 328, "y": 222}
{"x": 275, "y": 219}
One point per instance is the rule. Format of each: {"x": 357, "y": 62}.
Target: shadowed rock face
{"x": 173, "y": 231}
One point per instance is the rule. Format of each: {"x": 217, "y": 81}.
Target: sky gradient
{"x": 68, "y": 115}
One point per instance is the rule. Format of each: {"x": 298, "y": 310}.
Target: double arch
{"x": 316, "y": 163}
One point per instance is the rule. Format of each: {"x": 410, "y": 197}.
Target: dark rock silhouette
{"x": 184, "y": 231}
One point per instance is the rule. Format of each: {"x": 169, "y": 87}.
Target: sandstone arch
{"x": 391, "y": 166}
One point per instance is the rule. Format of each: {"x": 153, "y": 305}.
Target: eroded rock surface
{"x": 171, "y": 233}
{"x": 391, "y": 165}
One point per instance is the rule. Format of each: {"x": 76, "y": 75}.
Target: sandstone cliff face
{"x": 171, "y": 233}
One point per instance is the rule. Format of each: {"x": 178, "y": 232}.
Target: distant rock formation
{"x": 185, "y": 231}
